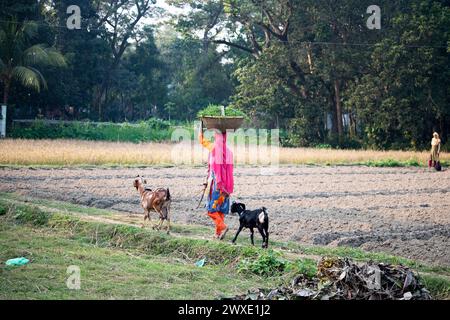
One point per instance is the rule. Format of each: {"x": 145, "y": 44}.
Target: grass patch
{"x": 130, "y": 237}
{"x": 54, "y": 204}
{"x": 106, "y": 273}
{"x": 268, "y": 263}
{"x": 392, "y": 163}
{"x": 438, "y": 285}
{"x": 121, "y": 261}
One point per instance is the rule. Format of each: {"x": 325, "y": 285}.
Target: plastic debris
{"x": 200, "y": 263}
{"x": 17, "y": 261}
{"x": 342, "y": 279}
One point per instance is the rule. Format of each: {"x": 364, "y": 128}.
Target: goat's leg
{"x": 261, "y": 231}
{"x": 168, "y": 220}
{"x": 161, "y": 217}
{"x": 252, "y": 233}
{"x": 161, "y": 221}
{"x": 146, "y": 216}
{"x": 237, "y": 233}
{"x": 168, "y": 225}
{"x": 266, "y": 229}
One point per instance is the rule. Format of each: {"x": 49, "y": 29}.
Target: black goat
{"x": 252, "y": 219}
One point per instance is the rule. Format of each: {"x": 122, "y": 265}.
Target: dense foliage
{"x": 309, "y": 67}
{"x": 144, "y": 131}
{"x": 316, "y": 69}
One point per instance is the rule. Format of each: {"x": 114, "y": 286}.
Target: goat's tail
{"x": 264, "y": 216}
{"x": 168, "y": 194}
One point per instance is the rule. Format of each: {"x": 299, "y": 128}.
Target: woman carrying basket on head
{"x": 220, "y": 180}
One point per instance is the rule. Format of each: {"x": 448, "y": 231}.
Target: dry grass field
{"x": 75, "y": 152}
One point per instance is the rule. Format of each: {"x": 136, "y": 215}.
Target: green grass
{"x": 54, "y": 204}
{"x": 117, "y": 262}
{"x": 106, "y": 273}
{"x": 121, "y": 261}
{"x": 393, "y": 163}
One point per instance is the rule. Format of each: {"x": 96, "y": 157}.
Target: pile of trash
{"x": 342, "y": 279}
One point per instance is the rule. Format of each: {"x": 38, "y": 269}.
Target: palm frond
{"x": 28, "y": 77}
{"x": 29, "y": 28}
{"x": 41, "y": 77}
{"x": 56, "y": 58}
{"x": 39, "y": 54}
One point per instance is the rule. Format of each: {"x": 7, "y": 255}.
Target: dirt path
{"x": 404, "y": 211}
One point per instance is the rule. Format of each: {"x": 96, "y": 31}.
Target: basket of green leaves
{"x": 221, "y": 118}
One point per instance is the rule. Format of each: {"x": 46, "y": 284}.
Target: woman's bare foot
{"x": 223, "y": 234}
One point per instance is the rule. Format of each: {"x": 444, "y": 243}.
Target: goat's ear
{"x": 243, "y": 206}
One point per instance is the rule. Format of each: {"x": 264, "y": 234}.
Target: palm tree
{"x": 19, "y": 59}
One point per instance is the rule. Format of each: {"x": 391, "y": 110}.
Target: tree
{"x": 119, "y": 20}
{"x": 404, "y": 96}
{"x": 20, "y": 59}
{"x": 150, "y": 87}
{"x": 195, "y": 78}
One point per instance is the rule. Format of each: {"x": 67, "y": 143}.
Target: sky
{"x": 171, "y": 9}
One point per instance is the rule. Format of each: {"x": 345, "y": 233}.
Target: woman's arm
{"x": 205, "y": 142}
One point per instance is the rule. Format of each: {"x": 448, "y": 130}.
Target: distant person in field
{"x": 435, "y": 149}
{"x": 220, "y": 180}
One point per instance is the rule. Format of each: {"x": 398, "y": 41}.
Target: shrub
{"x": 3, "y": 209}
{"x": 269, "y": 263}
{"x": 33, "y": 215}
{"x": 323, "y": 146}
{"x": 306, "y": 267}
{"x": 144, "y": 131}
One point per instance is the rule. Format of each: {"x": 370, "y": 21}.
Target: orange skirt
{"x": 219, "y": 220}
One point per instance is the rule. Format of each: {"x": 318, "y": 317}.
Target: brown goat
{"x": 158, "y": 200}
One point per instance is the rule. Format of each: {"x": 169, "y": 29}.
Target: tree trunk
{"x": 8, "y": 120}
{"x": 309, "y": 55}
{"x": 352, "y": 125}
{"x": 337, "y": 93}
{"x": 6, "y": 92}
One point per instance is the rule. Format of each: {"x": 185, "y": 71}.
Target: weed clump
{"x": 268, "y": 263}
{"x": 3, "y": 209}
{"x": 32, "y": 215}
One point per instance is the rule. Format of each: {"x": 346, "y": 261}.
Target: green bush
{"x": 32, "y": 215}
{"x": 306, "y": 267}
{"x": 323, "y": 146}
{"x": 268, "y": 263}
{"x": 144, "y": 131}
{"x": 3, "y": 209}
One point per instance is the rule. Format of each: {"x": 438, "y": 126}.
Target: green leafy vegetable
{"x": 214, "y": 110}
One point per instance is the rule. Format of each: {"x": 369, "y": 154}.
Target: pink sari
{"x": 221, "y": 163}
